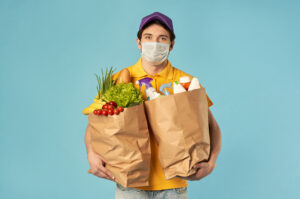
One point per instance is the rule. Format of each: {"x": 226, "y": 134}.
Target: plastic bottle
{"x": 194, "y": 84}
{"x": 185, "y": 81}
{"x": 163, "y": 88}
{"x": 178, "y": 88}
{"x": 151, "y": 93}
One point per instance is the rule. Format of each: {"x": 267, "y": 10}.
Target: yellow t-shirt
{"x": 157, "y": 179}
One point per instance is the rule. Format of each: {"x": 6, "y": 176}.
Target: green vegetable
{"x": 105, "y": 81}
{"x": 125, "y": 95}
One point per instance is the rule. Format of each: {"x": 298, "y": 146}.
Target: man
{"x": 155, "y": 39}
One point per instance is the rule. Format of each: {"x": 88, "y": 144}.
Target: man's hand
{"x": 203, "y": 169}
{"x": 97, "y": 166}
{"x": 97, "y": 163}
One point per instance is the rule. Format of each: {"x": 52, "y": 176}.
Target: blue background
{"x": 246, "y": 54}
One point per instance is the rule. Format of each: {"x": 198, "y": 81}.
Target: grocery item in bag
{"x": 185, "y": 81}
{"x": 123, "y": 141}
{"x": 119, "y": 130}
{"x": 179, "y": 123}
{"x": 151, "y": 93}
{"x": 194, "y": 84}
{"x": 178, "y": 88}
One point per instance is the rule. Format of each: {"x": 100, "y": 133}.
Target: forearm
{"x": 87, "y": 139}
{"x": 215, "y": 137}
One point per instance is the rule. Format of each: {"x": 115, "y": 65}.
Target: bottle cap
{"x": 184, "y": 79}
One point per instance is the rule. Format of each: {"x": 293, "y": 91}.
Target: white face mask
{"x": 154, "y": 52}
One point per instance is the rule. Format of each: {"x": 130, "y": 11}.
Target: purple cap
{"x": 161, "y": 17}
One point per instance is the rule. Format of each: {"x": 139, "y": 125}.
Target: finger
{"x": 186, "y": 178}
{"x": 102, "y": 175}
{"x": 105, "y": 175}
{"x": 106, "y": 171}
{"x": 190, "y": 177}
{"x": 200, "y": 174}
{"x": 200, "y": 165}
{"x": 93, "y": 170}
{"x": 102, "y": 164}
{"x": 103, "y": 161}
{"x": 108, "y": 177}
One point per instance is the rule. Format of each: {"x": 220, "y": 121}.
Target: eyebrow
{"x": 159, "y": 35}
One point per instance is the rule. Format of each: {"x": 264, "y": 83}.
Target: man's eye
{"x": 147, "y": 37}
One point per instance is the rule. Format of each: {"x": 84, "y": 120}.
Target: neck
{"x": 153, "y": 69}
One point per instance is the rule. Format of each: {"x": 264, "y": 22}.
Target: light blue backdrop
{"x": 246, "y": 53}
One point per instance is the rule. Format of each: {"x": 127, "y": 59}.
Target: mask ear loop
{"x": 171, "y": 45}
{"x": 140, "y": 44}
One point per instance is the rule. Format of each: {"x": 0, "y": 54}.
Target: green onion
{"x": 104, "y": 81}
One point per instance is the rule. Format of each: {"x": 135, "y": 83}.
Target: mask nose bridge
{"x": 154, "y": 46}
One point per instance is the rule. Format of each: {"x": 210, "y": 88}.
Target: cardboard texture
{"x": 123, "y": 141}
{"x": 179, "y": 123}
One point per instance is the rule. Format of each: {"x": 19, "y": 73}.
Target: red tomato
{"x": 95, "y": 111}
{"x": 121, "y": 109}
{"x": 116, "y": 111}
{"x": 99, "y": 112}
{"x": 110, "y": 107}
{"x": 104, "y": 106}
{"x": 110, "y": 111}
{"x": 104, "y": 112}
{"x": 114, "y": 104}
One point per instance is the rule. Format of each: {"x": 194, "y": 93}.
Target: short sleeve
{"x": 210, "y": 103}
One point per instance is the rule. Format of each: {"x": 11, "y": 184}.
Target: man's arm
{"x": 205, "y": 168}
{"x": 97, "y": 163}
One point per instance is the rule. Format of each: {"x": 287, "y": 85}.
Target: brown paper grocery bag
{"x": 180, "y": 125}
{"x": 123, "y": 141}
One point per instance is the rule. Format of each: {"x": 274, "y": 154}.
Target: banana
{"x": 87, "y": 111}
{"x": 98, "y": 103}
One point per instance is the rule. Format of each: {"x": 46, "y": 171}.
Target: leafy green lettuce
{"x": 124, "y": 95}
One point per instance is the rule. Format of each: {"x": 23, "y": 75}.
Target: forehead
{"x": 155, "y": 29}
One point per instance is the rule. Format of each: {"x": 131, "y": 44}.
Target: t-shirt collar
{"x": 139, "y": 72}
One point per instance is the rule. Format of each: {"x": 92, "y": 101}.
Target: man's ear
{"x": 138, "y": 42}
{"x": 172, "y": 45}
